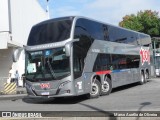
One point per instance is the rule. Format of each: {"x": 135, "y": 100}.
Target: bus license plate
{"x": 45, "y": 93}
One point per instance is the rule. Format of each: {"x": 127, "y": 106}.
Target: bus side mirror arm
{"x": 16, "y": 54}
{"x": 68, "y": 47}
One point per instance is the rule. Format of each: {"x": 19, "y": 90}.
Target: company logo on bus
{"x": 44, "y": 85}
{"x": 145, "y": 55}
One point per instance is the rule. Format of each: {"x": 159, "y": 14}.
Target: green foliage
{"x": 145, "y": 21}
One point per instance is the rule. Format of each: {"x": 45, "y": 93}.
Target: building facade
{"x": 16, "y": 19}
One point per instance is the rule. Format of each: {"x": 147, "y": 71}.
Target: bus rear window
{"x": 49, "y": 32}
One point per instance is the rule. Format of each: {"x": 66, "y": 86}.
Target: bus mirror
{"x": 16, "y": 54}
{"x": 68, "y": 49}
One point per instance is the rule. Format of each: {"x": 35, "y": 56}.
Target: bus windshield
{"x": 50, "y": 31}
{"x": 44, "y": 65}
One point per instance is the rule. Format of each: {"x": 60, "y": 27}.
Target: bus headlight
{"x": 63, "y": 84}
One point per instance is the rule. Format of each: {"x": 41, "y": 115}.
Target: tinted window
{"x": 119, "y": 61}
{"x": 103, "y": 62}
{"x": 79, "y": 55}
{"x": 133, "y": 61}
{"x": 115, "y": 62}
{"x": 122, "y": 36}
{"x": 106, "y": 32}
{"x": 92, "y": 29}
{"x": 50, "y": 31}
{"x": 51, "y": 64}
{"x": 80, "y": 50}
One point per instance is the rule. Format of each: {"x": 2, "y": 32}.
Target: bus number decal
{"x": 145, "y": 55}
{"x": 45, "y": 85}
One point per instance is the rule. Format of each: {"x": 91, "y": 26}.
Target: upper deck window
{"x": 50, "y": 31}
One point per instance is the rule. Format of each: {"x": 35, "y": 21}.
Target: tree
{"x": 145, "y": 21}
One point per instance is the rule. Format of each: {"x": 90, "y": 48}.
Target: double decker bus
{"x": 74, "y": 55}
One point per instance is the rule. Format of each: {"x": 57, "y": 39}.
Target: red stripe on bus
{"x": 103, "y": 72}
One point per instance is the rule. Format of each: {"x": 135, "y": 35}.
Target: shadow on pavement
{"x": 142, "y": 106}
{"x": 125, "y": 87}
{"x": 100, "y": 112}
{"x": 68, "y": 100}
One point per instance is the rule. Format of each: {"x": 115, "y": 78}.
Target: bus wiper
{"x": 51, "y": 70}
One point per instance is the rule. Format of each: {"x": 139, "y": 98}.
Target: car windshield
{"x": 44, "y": 65}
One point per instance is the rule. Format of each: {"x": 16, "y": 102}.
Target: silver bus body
{"x": 92, "y": 55}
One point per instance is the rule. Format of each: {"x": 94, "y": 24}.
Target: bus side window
{"x": 102, "y": 62}
{"x": 78, "y": 60}
{"x": 77, "y": 64}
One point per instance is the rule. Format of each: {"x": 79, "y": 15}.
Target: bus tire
{"x": 95, "y": 89}
{"x": 107, "y": 86}
{"x": 142, "y": 78}
{"x": 146, "y": 76}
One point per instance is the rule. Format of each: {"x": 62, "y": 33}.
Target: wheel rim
{"x": 105, "y": 86}
{"x": 95, "y": 89}
{"x": 142, "y": 78}
{"x": 146, "y": 75}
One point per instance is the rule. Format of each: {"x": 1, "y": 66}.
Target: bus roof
{"x": 56, "y": 19}
{"x": 78, "y": 17}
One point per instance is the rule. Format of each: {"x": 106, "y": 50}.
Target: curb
{"x": 12, "y": 97}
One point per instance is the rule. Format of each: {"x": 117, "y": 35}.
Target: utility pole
{"x": 47, "y": 9}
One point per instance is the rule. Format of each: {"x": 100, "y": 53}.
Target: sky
{"x": 108, "y": 11}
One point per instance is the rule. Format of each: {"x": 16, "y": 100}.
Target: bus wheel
{"x": 107, "y": 87}
{"x": 146, "y": 76}
{"x": 142, "y": 81}
{"x": 95, "y": 89}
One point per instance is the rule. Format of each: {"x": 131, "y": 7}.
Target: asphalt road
{"x": 126, "y": 98}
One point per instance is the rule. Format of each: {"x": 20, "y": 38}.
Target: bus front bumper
{"x": 53, "y": 96}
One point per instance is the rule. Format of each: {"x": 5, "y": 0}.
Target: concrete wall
{"x": 16, "y": 19}
{"x": 4, "y": 17}
{"x": 24, "y": 14}
{"x": 4, "y": 37}
{"x": 5, "y": 61}
{"x": 4, "y": 23}
{"x": 5, "y": 64}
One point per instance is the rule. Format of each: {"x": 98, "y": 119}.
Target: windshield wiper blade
{"x": 51, "y": 70}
